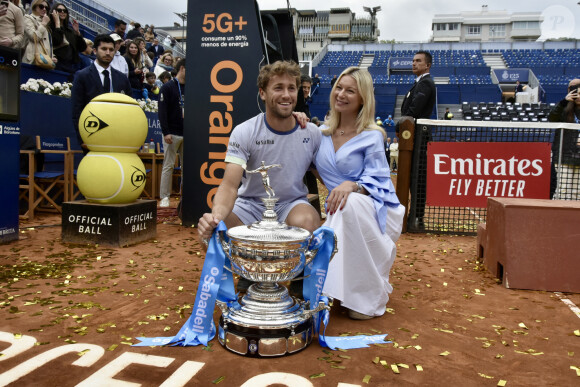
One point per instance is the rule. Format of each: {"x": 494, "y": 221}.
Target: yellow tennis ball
{"x": 113, "y": 122}
{"x": 111, "y": 178}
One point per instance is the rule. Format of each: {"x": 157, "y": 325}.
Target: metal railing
{"x": 87, "y": 17}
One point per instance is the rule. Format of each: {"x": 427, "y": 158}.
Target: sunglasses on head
{"x": 61, "y": 10}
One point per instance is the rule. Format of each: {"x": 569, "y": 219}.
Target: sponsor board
{"x": 466, "y": 174}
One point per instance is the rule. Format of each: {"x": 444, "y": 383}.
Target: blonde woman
{"x": 164, "y": 63}
{"x": 36, "y": 25}
{"x": 362, "y": 206}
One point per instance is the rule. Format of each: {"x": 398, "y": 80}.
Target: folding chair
{"x": 45, "y": 190}
{"x": 150, "y": 190}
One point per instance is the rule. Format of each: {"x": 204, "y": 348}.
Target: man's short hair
{"x": 103, "y": 38}
{"x": 305, "y": 78}
{"x": 180, "y": 64}
{"x": 428, "y": 57}
{"x": 164, "y": 75}
{"x": 120, "y": 22}
{"x": 150, "y": 74}
{"x": 281, "y": 67}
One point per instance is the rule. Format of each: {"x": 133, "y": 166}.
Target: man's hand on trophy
{"x": 206, "y": 225}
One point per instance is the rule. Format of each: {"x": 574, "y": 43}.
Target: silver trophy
{"x": 270, "y": 322}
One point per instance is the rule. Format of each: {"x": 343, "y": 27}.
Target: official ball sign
{"x": 461, "y": 174}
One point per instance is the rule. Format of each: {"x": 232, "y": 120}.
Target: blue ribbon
{"x": 215, "y": 284}
{"x": 315, "y": 273}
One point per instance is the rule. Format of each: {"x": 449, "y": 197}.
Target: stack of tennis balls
{"x": 113, "y": 126}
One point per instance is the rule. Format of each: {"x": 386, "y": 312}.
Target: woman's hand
{"x": 75, "y": 26}
{"x": 301, "y": 118}
{"x": 337, "y": 198}
{"x": 45, "y": 20}
{"x": 55, "y": 19}
{"x": 571, "y": 96}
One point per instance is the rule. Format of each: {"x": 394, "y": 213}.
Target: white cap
{"x": 116, "y": 37}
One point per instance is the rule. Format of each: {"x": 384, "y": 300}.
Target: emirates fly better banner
{"x": 462, "y": 174}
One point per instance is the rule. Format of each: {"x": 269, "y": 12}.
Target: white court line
{"x": 569, "y": 304}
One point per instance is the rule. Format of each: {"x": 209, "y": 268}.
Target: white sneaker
{"x": 164, "y": 202}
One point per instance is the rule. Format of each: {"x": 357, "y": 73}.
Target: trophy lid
{"x": 268, "y": 231}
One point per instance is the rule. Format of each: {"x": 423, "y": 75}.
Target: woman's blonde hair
{"x": 166, "y": 54}
{"x": 365, "y": 118}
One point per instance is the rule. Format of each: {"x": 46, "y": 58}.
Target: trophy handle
{"x": 310, "y": 254}
{"x": 310, "y": 312}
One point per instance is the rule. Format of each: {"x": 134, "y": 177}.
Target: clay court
{"x": 72, "y": 312}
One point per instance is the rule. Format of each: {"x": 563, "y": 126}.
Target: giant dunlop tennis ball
{"x": 111, "y": 178}
{"x": 113, "y": 122}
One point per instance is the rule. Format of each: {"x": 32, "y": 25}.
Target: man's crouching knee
{"x": 304, "y": 216}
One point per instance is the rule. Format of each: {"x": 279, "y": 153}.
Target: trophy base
{"x": 258, "y": 342}
{"x": 268, "y": 323}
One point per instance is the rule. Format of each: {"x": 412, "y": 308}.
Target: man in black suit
{"x": 156, "y": 49}
{"x": 418, "y": 103}
{"x": 97, "y": 79}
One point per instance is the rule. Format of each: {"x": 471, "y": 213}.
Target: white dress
{"x": 367, "y": 228}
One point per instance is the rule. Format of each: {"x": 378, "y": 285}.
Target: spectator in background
{"x": 145, "y": 59}
{"x": 19, "y": 5}
{"x": 151, "y": 86}
{"x": 333, "y": 81}
{"x": 156, "y": 48}
{"x": 67, "y": 40}
{"x": 120, "y": 28}
{"x": 149, "y": 35}
{"x": 171, "y": 111}
{"x": 315, "y": 81}
{"x": 163, "y": 78}
{"x": 87, "y": 56}
{"x": 315, "y": 121}
{"x": 119, "y": 63}
{"x": 165, "y": 63}
{"x": 135, "y": 32}
{"x": 389, "y": 121}
{"x": 306, "y": 84}
{"x": 97, "y": 79}
{"x": 136, "y": 70}
{"x": 418, "y": 103}
{"x": 519, "y": 87}
{"x": 388, "y": 149}
{"x": 567, "y": 110}
{"x": 36, "y": 25}
{"x": 394, "y": 151}
{"x": 448, "y": 115}
{"x": 11, "y": 26}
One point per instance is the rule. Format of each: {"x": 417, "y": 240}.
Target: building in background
{"x": 487, "y": 26}
{"x": 315, "y": 29}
